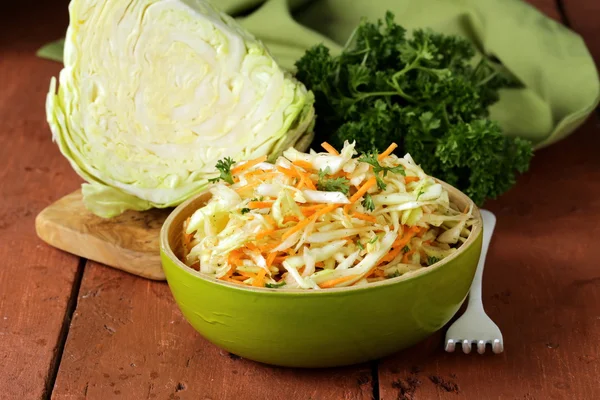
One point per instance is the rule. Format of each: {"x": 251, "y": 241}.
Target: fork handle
{"x": 489, "y": 223}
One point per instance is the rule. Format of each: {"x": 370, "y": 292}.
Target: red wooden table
{"x": 72, "y": 329}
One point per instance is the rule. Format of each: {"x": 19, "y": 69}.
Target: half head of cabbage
{"x": 154, "y": 92}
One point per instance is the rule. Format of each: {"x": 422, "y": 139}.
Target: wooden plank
{"x": 129, "y": 340}
{"x": 540, "y": 286}
{"x": 35, "y": 280}
{"x": 583, "y": 16}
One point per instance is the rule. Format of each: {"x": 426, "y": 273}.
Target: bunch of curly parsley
{"x": 425, "y": 94}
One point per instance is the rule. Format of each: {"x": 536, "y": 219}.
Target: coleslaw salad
{"x": 323, "y": 220}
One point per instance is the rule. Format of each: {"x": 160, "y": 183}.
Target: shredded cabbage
{"x": 272, "y": 227}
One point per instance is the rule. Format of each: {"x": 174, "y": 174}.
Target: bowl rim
{"x": 165, "y": 248}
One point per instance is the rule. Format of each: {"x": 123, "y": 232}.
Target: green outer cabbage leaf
{"x": 154, "y": 92}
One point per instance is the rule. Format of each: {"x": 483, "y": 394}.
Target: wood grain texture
{"x": 128, "y": 242}
{"x": 128, "y": 340}
{"x": 540, "y": 286}
{"x": 35, "y": 280}
{"x": 583, "y": 16}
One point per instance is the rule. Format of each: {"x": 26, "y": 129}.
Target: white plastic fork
{"x": 474, "y": 326}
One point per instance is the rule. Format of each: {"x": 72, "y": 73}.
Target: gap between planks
{"x": 560, "y": 7}
{"x": 64, "y": 330}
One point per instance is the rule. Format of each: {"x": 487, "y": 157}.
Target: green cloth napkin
{"x": 560, "y": 78}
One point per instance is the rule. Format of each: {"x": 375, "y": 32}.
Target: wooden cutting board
{"x": 129, "y": 242}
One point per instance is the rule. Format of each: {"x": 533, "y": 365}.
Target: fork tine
{"x": 466, "y": 346}
{"x": 481, "y": 347}
{"x": 450, "y": 346}
{"x": 497, "y": 346}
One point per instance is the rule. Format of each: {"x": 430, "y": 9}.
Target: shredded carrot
{"x": 246, "y": 274}
{"x": 270, "y": 258}
{"x": 251, "y": 246}
{"x": 287, "y": 171}
{"x": 228, "y": 273}
{"x": 336, "y": 281}
{"x": 234, "y": 257}
{"x": 259, "y": 280}
{"x": 340, "y": 174}
{"x": 270, "y": 220}
{"x": 266, "y": 232}
{"x": 256, "y": 172}
{"x": 399, "y": 244}
{"x": 312, "y": 207}
{"x": 249, "y": 164}
{"x": 308, "y": 212}
{"x": 290, "y": 218}
{"x": 406, "y": 256}
{"x": 267, "y": 247}
{"x": 303, "y": 164}
{"x": 363, "y": 189}
{"x": 364, "y": 217}
{"x": 260, "y": 204}
{"x": 387, "y": 152}
{"x": 360, "y": 192}
{"x": 309, "y": 183}
{"x": 303, "y": 178}
{"x": 239, "y": 278}
{"x": 409, "y": 179}
{"x": 320, "y": 264}
{"x": 307, "y": 221}
{"x": 330, "y": 149}
{"x": 300, "y": 225}
{"x": 375, "y": 271}
{"x": 279, "y": 259}
{"x": 421, "y": 232}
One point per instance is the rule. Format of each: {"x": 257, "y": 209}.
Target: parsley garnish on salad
{"x": 274, "y": 285}
{"x": 432, "y": 260}
{"x": 328, "y": 184}
{"x": 371, "y": 158}
{"x": 224, "y": 167}
{"x": 368, "y": 203}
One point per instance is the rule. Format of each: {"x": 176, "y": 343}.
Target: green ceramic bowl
{"x": 330, "y": 327}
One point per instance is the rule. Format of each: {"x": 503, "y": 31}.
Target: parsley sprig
{"x": 422, "y": 91}
{"x": 368, "y": 202}
{"x": 224, "y": 167}
{"x": 432, "y": 260}
{"x": 275, "y": 285}
{"x": 371, "y": 158}
{"x": 329, "y": 184}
